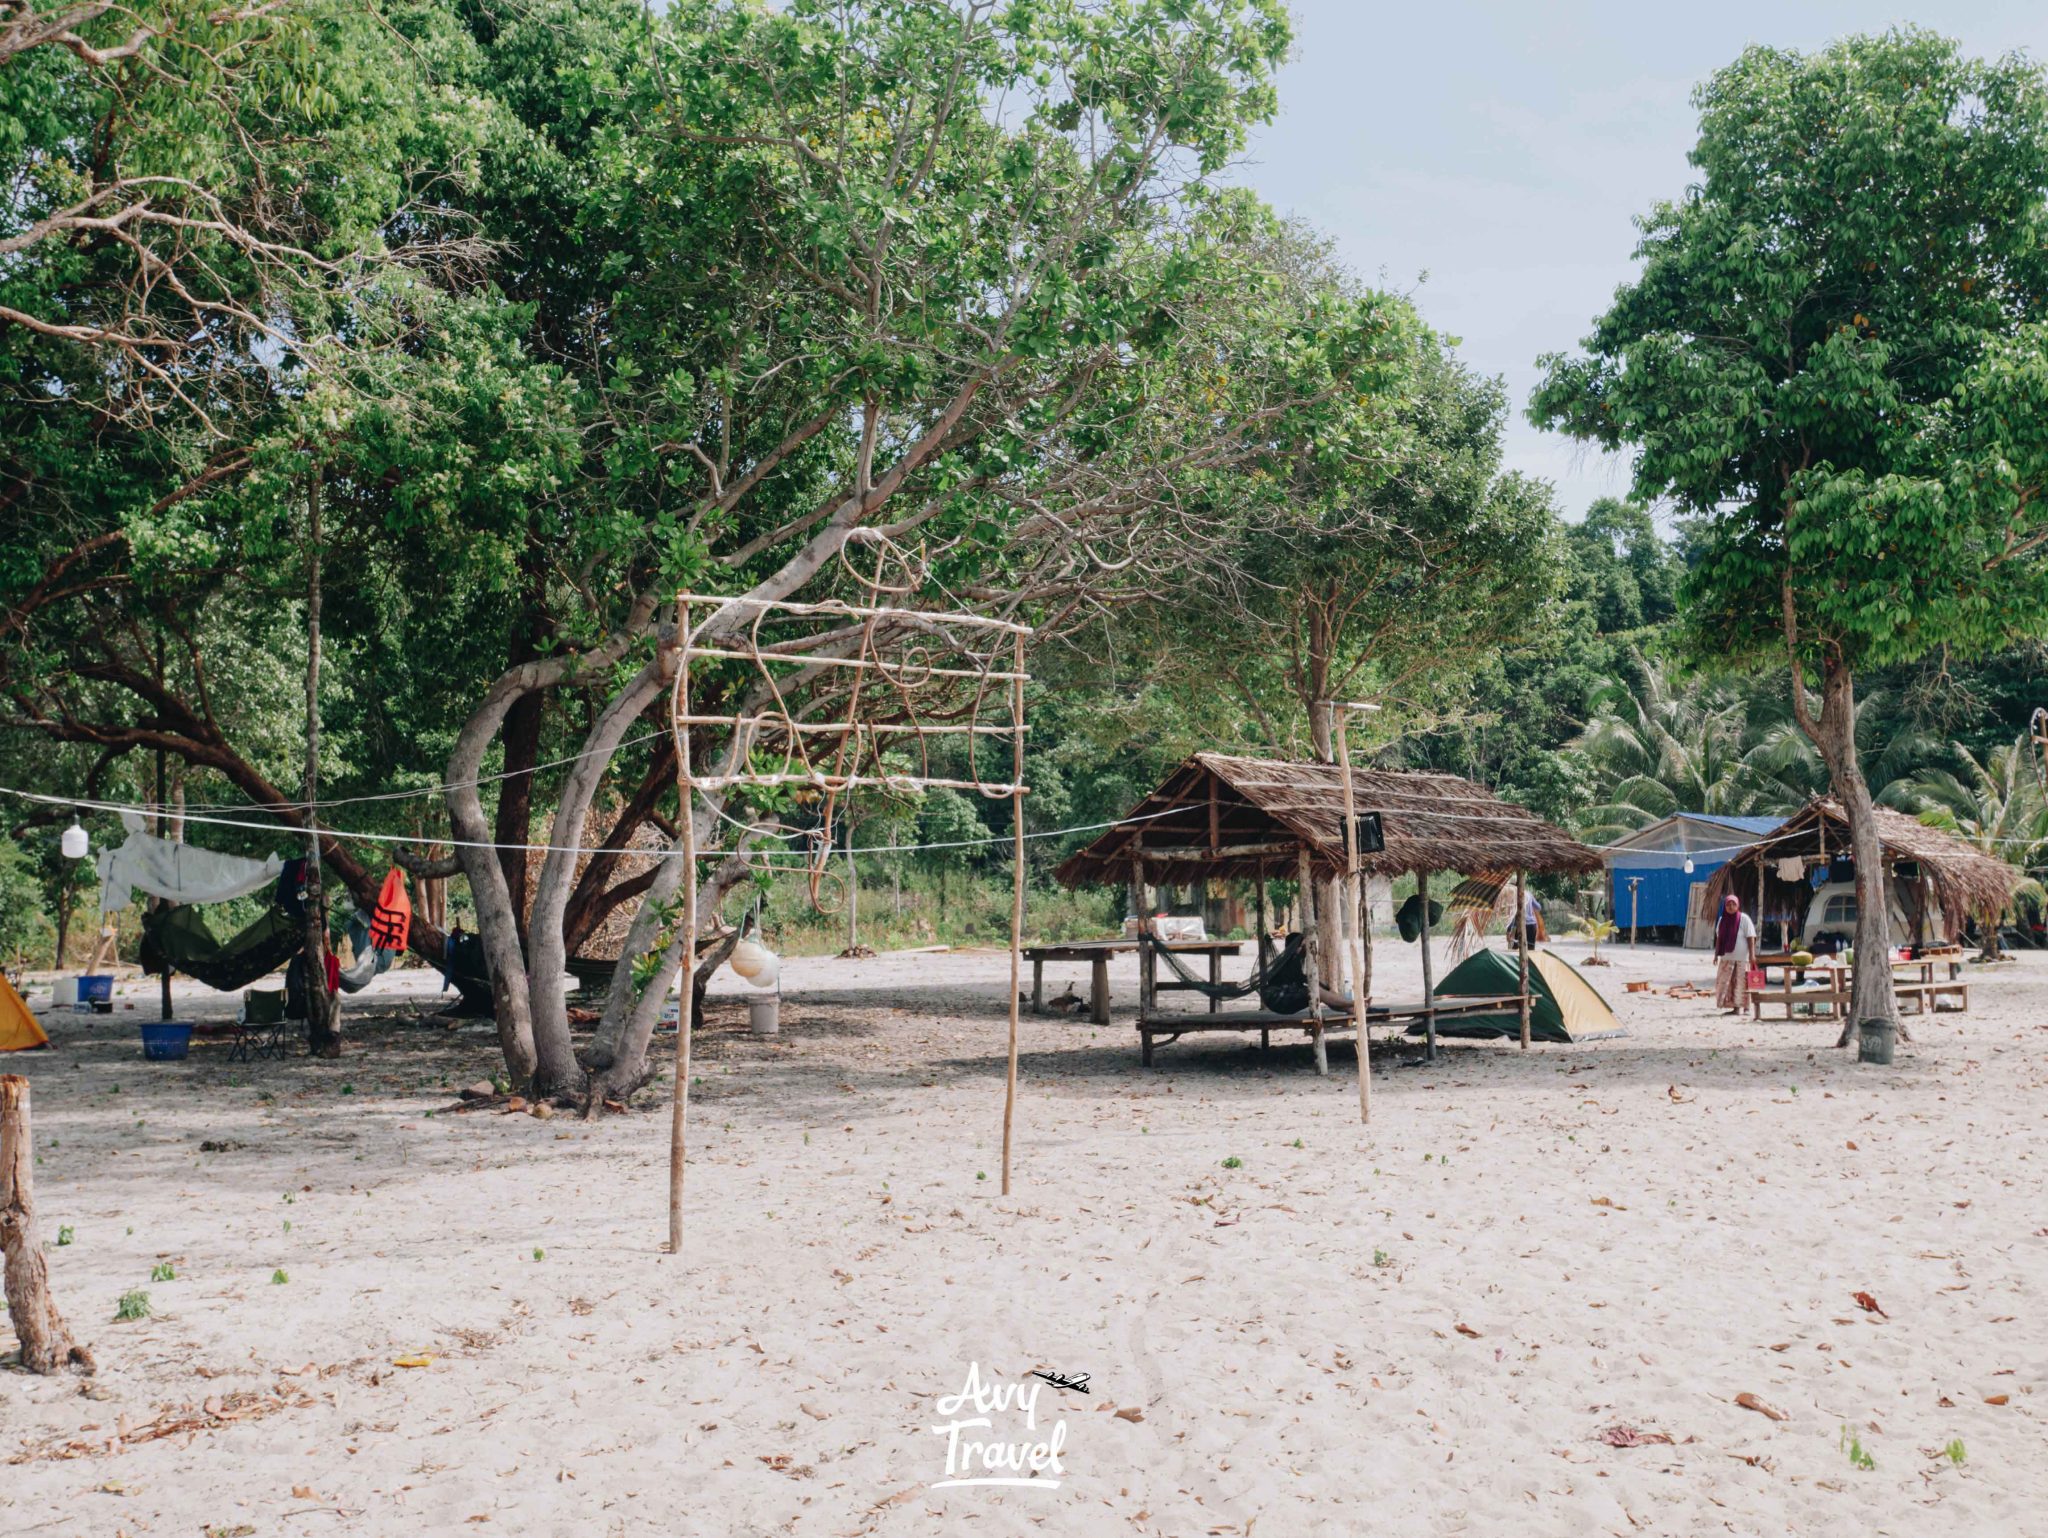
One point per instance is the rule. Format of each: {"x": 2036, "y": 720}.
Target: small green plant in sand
{"x": 1297, "y": 1142}
{"x": 278, "y": 1278}
{"x": 539, "y": 1253}
{"x": 1382, "y": 1259}
{"x": 162, "y": 1272}
{"x": 64, "y": 1235}
{"x": 1954, "y": 1451}
{"x": 133, "y": 1305}
{"x": 1233, "y": 1163}
{"x": 1859, "y": 1457}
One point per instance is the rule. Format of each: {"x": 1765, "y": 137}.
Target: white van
{"x": 1833, "y": 911}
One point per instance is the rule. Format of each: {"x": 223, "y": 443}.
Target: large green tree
{"x": 1833, "y": 359}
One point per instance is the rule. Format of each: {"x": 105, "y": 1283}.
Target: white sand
{"x": 845, "y": 1265}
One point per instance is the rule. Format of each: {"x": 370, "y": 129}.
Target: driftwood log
{"x": 46, "y": 1345}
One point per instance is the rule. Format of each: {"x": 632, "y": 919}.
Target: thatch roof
{"x": 1962, "y": 881}
{"x": 1221, "y": 816}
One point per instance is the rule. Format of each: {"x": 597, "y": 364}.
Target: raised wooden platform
{"x": 1097, "y": 953}
{"x": 1324, "y": 1023}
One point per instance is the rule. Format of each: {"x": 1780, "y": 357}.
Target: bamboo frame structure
{"x": 893, "y": 650}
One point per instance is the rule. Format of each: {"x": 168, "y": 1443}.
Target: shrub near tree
{"x": 1834, "y": 358}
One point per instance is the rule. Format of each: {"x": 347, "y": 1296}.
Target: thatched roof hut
{"x": 1219, "y": 816}
{"x": 1955, "y": 883}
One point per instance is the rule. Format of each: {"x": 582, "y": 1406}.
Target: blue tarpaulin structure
{"x": 1646, "y": 875}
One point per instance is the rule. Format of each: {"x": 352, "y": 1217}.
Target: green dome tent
{"x": 1563, "y": 1006}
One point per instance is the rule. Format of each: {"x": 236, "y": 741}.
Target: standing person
{"x": 1532, "y": 919}
{"x": 1734, "y": 955}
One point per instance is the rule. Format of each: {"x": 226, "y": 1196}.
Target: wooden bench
{"x": 1926, "y": 995}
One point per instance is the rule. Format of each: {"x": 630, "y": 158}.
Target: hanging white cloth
{"x": 1792, "y": 868}
{"x": 182, "y": 873}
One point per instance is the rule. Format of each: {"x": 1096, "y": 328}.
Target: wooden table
{"x": 1097, "y": 953}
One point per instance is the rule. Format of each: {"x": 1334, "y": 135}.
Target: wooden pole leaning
{"x": 1428, "y": 974}
{"x": 1354, "y": 884}
{"x": 1522, "y": 928}
{"x": 679, "y": 1105}
{"x": 1311, "y": 946}
{"x": 1016, "y": 898}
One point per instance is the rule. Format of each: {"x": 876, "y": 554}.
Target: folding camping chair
{"x": 263, "y": 1030}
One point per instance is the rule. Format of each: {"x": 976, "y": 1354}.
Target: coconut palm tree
{"x": 1656, "y": 747}
{"x": 1996, "y": 805}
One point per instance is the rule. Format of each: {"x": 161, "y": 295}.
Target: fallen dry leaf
{"x": 1468, "y": 1332}
{"x": 1130, "y": 1412}
{"x": 418, "y": 1359}
{"x": 1997, "y": 1398}
{"x": 303, "y": 1493}
{"x": 1608, "y": 1201}
{"x": 1621, "y": 1434}
{"x": 1751, "y": 1402}
{"x": 1868, "y": 1304}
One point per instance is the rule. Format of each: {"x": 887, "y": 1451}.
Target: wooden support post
{"x": 1635, "y": 884}
{"x": 46, "y": 1344}
{"x": 1265, "y": 927}
{"x": 1016, "y": 894}
{"x": 1354, "y": 887}
{"x": 1522, "y": 946}
{"x": 1759, "y": 914}
{"x": 1148, "y": 963}
{"x": 1428, "y": 971}
{"x": 1098, "y": 990}
{"x": 1310, "y": 947}
{"x": 686, "y": 807}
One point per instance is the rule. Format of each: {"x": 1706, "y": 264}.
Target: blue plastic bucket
{"x": 95, "y": 989}
{"x": 166, "y": 1040}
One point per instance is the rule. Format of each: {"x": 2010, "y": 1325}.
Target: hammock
{"x": 1264, "y": 974}
{"x": 178, "y": 939}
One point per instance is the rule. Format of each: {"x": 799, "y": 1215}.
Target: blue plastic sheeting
{"x": 1665, "y": 891}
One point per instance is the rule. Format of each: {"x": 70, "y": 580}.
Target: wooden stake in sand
{"x": 686, "y": 810}
{"x": 46, "y": 1344}
{"x": 1354, "y": 885}
{"x": 1522, "y": 928}
{"x": 1016, "y": 897}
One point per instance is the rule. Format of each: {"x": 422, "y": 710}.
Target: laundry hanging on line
{"x": 179, "y": 873}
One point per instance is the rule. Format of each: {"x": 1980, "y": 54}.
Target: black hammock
{"x": 1280, "y": 981}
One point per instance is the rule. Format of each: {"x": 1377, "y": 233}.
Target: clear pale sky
{"x": 1502, "y": 147}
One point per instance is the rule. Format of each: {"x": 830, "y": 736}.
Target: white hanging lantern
{"x": 74, "y": 842}
{"x": 1688, "y": 865}
{"x": 769, "y": 971}
{"x": 748, "y": 957}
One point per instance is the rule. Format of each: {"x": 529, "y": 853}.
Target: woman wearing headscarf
{"x": 1734, "y": 955}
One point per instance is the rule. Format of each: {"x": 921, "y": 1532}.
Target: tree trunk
{"x": 46, "y": 1344}
{"x": 556, "y": 1070}
{"x": 323, "y": 1011}
{"x": 1871, "y": 996}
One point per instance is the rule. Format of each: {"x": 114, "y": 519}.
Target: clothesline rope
{"x": 342, "y": 835}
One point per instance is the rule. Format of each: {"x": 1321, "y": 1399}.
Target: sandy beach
{"x": 1431, "y": 1326}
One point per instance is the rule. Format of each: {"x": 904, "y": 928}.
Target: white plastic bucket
{"x": 764, "y": 1015}
{"x": 64, "y": 993}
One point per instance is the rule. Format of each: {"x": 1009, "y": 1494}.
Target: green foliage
{"x": 1233, "y": 1163}
{"x": 23, "y": 924}
{"x": 1832, "y": 357}
{"x": 64, "y": 1235}
{"x": 134, "y": 1305}
{"x": 163, "y": 1271}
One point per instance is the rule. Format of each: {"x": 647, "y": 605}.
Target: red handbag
{"x": 1754, "y": 978}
